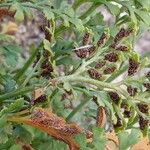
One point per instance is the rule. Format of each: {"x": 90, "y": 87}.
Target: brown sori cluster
{"x": 85, "y": 52}
{"x": 109, "y": 70}
{"x": 147, "y": 85}
{"x": 26, "y": 147}
{"x": 121, "y": 34}
{"x": 71, "y": 129}
{"x": 48, "y": 35}
{"x": 95, "y": 100}
{"x": 133, "y": 67}
{"x": 91, "y": 50}
{"x": 55, "y": 126}
{"x": 46, "y": 69}
{"x": 94, "y": 73}
{"x": 127, "y": 110}
{"x": 40, "y": 99}
{"x": 143, "y": 123}
{"x": 122, "y": 48}
{"x": 46, "y": 54}
{"x": 127, "y": 113}
{"x": 46, "y": 66}
{"x": 114, "y": 96}
{"x": 143, "y": 108}
{"x": 113, "y": 45}
{"x": 102, "y": 39}
{"x": 88, "y": 133}
{"x": 49, "y": 119}
{"x": 100, "y": 117}
{"x": 100, "y": 64}
{"x": 86, "y": 39}
{"x": 148, "y": 75}
{"x": 46, "y": 24}
{"x": 112, "y": 57}
{"x": 82, "y": 53}
{"x": 58, "y": 124}
{"x": 5, "y": 12}
{"x": 66, "y": 95}
{"x": 131, "y": 90}
{"x": 128, "y": 32}
{"x": 119, "y": 123}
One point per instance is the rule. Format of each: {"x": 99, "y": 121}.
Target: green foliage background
{"x": 18, "y": 78}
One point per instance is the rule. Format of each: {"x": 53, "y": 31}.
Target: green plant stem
{"x": 23, "y": 112}
{"x": 77, "y": 3}
{"x": 60, "y": 29}
{"x": 5, "y": 5}
{"x": 145, "y": 94}
{"x": 74, "y": 78}
{"x": 12, "y": 101}
{"x": 77, "y": 109}
{"x": 100, "y": 84}
{"x": 23, "y": 4}
{"x": 87, "y": 93}
{"x": 32, "y": 6}
{"x": 16, "y": 119}
{"x": 16, "y": 92}
{"x": 27, "y": 64}
{"x": 89, "y": 11}
{"x": 140, "y": 99}
{"x": 32, "y": 72}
